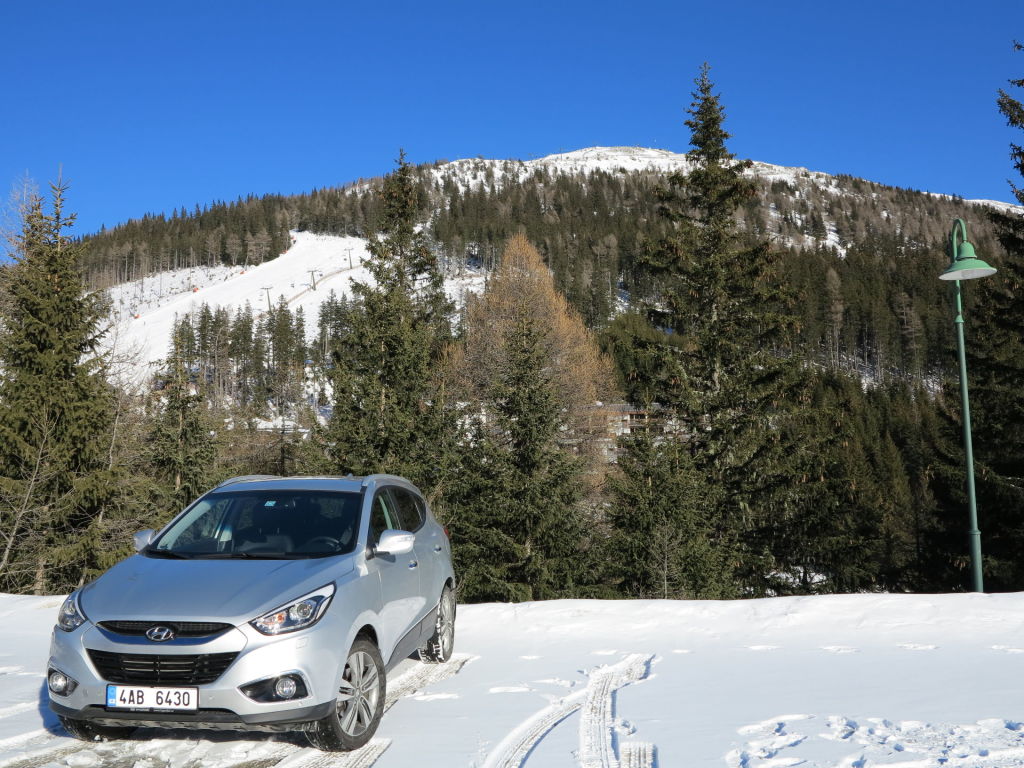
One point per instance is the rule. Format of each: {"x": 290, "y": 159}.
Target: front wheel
{"x": 438, "y": 648}
{"x": 360, "y": 702}
{"x": 84, "y": 730}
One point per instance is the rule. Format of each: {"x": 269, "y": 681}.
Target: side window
{"x": 408, "y": 510}
{"x": 380, "y": 516}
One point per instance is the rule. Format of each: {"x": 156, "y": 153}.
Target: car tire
{"x": 85, "y": 730}
{"x": 438, "y": 649}
{"x": 360, "y": 702}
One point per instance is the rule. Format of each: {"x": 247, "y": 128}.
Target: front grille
{"x": 153, "y": 669}
{"x": 181, "y": 628}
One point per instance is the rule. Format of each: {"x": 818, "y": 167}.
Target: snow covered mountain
{"x": 842, "y": 681}
{"x": 472, "y": 172}
{"x": 314, "y": 265}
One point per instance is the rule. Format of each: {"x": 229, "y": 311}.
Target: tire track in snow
{"x": 126, "y": 753}
{"x": 416, "y": 679}
{"x": 512, "y": 751}
{"x": 15, "y": 709}
{"x": 597, "y": 722}
{"x": 422, "y": 675}
{"x": 363, "y": 757}
{"x": 39, "y": 757}
{"x": 636, "y": 754}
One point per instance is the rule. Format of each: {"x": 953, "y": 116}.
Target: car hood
{"x": 148, "y": 588}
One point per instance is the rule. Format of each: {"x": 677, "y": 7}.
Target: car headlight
{"x": 70, "y": 616}
{"x": 302, "y": 613}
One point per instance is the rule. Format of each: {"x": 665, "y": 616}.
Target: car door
{"x": 412, "y": 511}
{"x": 399, "y": 576}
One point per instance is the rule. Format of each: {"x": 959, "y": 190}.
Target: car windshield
{"x": 263, "y": 524}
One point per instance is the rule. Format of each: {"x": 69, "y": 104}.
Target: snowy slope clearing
{"x": 845, "y": 681}
{"x": 144, "y": 311}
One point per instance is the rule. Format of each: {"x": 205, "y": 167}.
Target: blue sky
{"x": 153, "y": 106}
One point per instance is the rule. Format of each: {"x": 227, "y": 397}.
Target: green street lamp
{"x": 964, "y": 265}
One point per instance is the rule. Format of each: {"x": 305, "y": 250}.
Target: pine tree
{"x": 724, "y": 369}
{"x": 56, "y": 407}
{"x": 182, "y": 450}
{"x": 533, "y": 380}
{"x": 996, "y": 368}
{"x": 516, "y": 504}
{"x": 664, "y": 537}
{"x": 388, "y": 415}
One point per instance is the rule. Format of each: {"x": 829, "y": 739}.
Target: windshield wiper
{"x": 245, "y": 556}
{"x": 166, "y": 553}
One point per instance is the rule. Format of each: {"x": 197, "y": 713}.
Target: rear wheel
{"x": 360, "y": 702}
{"x": 438, "y": 648}
{"x": 89, "y": 731}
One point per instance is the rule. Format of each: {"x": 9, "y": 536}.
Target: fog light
{"x": 271, "y": 689}
{"x": 285, "y": 687}
{"x": 59, "y": 683}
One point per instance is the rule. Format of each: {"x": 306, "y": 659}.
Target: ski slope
{"x": 145, "y": 311}
{"x": 855, "y": 681}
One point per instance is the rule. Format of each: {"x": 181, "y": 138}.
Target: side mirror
{"x": 395, "y": 543}
{"x": 142, "y": 539}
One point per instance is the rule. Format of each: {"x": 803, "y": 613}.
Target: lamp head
{"x": 965, "y": 265}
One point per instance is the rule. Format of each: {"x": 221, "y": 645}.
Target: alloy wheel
{"x": 359, "y": 694}
{"x": 446, "y": 624}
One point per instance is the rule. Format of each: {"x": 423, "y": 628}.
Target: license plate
{"x": 152, "y": 697}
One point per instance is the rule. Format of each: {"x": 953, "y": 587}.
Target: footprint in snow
{"x": 917, "y": 647}
{"x": 776, "y": 725}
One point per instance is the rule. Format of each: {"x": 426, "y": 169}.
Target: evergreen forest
{"x": 712, "y": 383}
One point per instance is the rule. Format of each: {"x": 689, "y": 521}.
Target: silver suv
{"x": 269, "y": 603}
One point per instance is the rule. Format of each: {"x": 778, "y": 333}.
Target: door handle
{"x": 437, "y": 547}
{"x": 413, "y": 564}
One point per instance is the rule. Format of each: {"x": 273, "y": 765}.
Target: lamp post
{"x": 964, "y": 265}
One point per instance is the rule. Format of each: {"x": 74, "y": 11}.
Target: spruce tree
{"x": 996, "y": 368}
{"x": 660, "y": 514}
{"x": 388, "y": 415}
{"x": 182, "y": 450}
{"x": 724, "y": 369}
{"x": 56, "y": 407}
{"x": 516, "y": 504}
{"x": 531, "y": 379}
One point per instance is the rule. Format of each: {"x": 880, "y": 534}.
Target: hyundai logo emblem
{"x": 160, "y": 634}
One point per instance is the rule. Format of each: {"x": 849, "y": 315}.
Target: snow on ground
{"x": 841, "y": 681}
{"x": 145, "y": 310}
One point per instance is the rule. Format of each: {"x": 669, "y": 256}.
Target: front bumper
{"x": 222, "y": 704}
{"x": 214, "y": 719}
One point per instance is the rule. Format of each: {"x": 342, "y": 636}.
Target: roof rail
{"x": 244, "y": 478}
{"x": 367, "y": 479}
